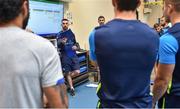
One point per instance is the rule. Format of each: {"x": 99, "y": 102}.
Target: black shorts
{"x": 136, "y": 103}
{"x": 172, "y": 101}
{"x": 70, "y": 64}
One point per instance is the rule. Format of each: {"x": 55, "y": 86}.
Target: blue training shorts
{"x": 70, "y": 64}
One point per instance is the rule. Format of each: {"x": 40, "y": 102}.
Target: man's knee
{"x": 68, "y": 74}
{"x": 76, "y": 71}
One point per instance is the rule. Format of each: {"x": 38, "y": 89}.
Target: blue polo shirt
{"x": 125, "y": 51}
{"x": 168, "y": 49}
{"x": 92, "y": 46}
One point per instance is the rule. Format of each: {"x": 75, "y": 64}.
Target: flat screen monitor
{"x": 45, "y": 16}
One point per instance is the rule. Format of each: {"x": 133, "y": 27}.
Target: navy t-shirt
{"x": 125, "y": 51}
{"x": 66, "y": 49}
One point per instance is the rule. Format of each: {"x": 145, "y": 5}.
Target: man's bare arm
{"x": 63, "y": 95}
{"x": 56, "y": 96}
{"x": 162, "y": 79}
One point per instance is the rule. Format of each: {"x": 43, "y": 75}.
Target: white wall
{"x": 156, "y": 13}
{"x": 85, "y": 14}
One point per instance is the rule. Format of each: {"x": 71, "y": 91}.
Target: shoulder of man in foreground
{"x": 51, "y": 74}
{"x": 36, "y": 43}
{"x": 43, "y": 51}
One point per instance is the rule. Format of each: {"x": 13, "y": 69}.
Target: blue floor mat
{"x": 85, "y": 97}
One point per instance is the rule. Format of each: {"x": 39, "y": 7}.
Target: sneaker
{"x": 72, "y": 92}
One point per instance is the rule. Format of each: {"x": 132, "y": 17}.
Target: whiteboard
{"x": 45, "y": 17}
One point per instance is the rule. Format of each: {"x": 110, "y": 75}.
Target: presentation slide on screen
{"x": 45, "y": 17}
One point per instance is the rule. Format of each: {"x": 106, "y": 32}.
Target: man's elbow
{"x": 162, "y": 81}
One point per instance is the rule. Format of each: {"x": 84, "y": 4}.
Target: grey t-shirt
{"x": 27, "y": 64}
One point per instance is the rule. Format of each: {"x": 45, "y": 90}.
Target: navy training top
{"x": 125, "y": 51}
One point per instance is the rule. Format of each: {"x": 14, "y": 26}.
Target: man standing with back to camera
{"x": 126, "y": 57}
{"x": 68, "y": 47}
{"x": 29, "y": 64}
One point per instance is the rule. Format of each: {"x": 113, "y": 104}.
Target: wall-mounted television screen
{"x": 45, "y": 16}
